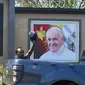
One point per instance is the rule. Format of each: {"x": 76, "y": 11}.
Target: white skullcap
{"x": 54, "y": 28}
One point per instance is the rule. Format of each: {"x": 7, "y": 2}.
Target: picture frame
{"x": 71, "y": 31}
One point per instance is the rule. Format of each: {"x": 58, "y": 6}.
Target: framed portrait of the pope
{"x": 57, "y": 39}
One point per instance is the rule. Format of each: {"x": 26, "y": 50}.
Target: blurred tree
{"x": 51, "y": 3}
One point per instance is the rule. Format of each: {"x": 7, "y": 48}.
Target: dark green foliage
{"x": 51, "y": 3}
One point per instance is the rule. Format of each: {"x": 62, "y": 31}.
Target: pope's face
{"x": 54, "y": 40}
